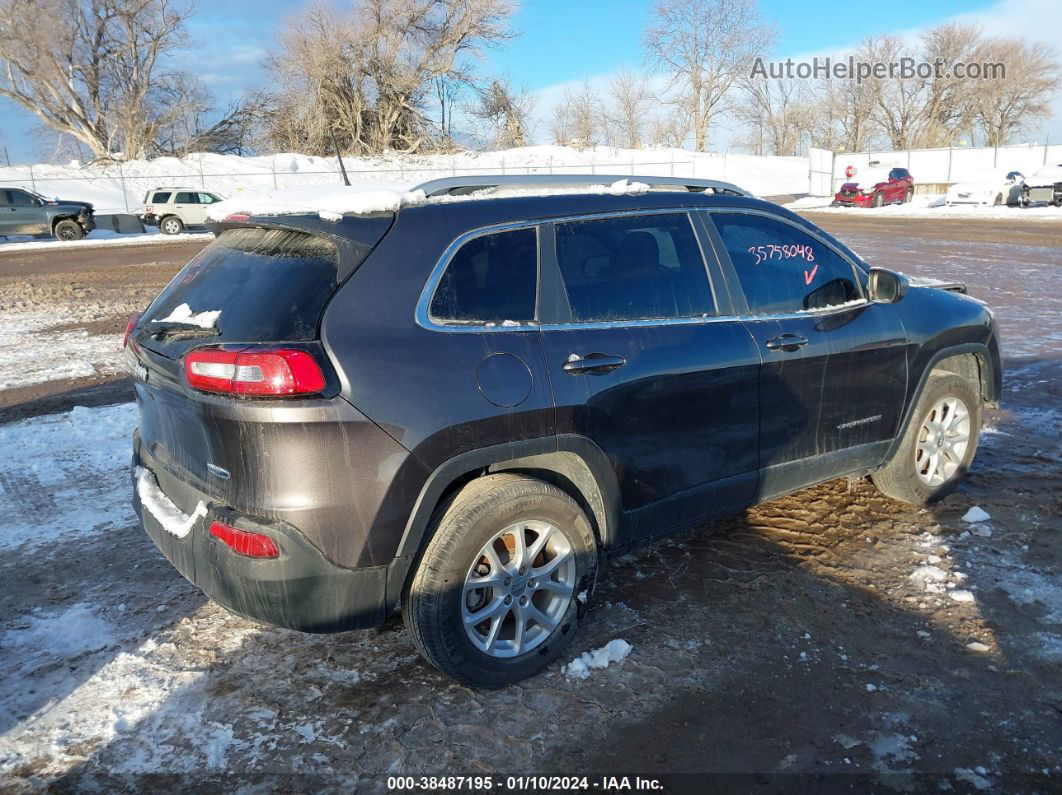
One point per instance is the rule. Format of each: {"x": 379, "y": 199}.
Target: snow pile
{"x": 184, "y": 314}
{"x": 613, "y": 651}
{"x": 328, "y": 201}
{"x": 48, "y": 638}
{"x": 103, "y": 239}
{"x": 76, "y": 353}
{"x": 69, "y": 478}
{"x": 173, "y": 520}
{"x": 975, "y": 514}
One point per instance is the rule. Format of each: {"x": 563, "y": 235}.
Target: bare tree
{"x": 508, "y": 111}
{"x": 92, "y": 68}
{"x": 1023, "y": 98}
{"x": 706, "y": 46}
{"x": 669, "y": 129}
{"x": 776, "y": 111}
{"x": 630, "y": 105}
{"x": 585, "y": 113}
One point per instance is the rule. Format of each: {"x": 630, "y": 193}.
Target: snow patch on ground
{"x": 976, "y": 514}
{"x": 24, "y": 339}
{"x": 65, "y": 475}
{"x": 614, "y": 651}
{"x": 46, "y": 637}
{"x": 146, "y": 239}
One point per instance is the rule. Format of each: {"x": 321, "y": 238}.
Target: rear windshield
{"x": 252, "y": 285}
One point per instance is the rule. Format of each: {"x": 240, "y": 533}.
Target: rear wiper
{"x": 176, "y": 330}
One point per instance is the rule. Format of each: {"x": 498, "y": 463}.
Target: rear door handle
{"x": 786, "y": 342}
{"x": 592, "y": 364}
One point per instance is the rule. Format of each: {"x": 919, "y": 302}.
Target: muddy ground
{"x": 832, "y": 640}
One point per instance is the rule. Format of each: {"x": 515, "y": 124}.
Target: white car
{"x": 172, "y": 209}
{"x": 1045, "y": 186}
{"x": 991, "y": 186}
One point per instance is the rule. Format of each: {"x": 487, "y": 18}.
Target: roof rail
{"x": 457, "y": 186}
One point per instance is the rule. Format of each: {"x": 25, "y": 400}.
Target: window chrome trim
{"x": 424, "y": 320}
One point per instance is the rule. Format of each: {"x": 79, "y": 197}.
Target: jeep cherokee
{"x": 461, "y": 407}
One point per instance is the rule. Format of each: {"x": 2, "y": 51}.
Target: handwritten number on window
{"x": 788, "y": 251}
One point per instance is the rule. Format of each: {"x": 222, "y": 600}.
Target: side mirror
{"x": 886, "y": 287}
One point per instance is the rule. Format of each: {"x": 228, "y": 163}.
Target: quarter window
{"x": 643, "y": 267}
{"x": 491, "y": 279}
{"x": 160, "y": 198}
{"x": 782, "y": 269}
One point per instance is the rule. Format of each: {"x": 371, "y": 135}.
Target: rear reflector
{"x": 133, "y": 320}
{"x": 252, "y": 545}
{"x": 256, "y": 373}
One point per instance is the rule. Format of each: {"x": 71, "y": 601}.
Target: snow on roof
{"x": 332, "y": 202}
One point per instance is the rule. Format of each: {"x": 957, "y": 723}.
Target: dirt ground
{"x": 829, "y": 641}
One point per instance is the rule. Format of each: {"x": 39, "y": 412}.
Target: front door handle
{"x": 592, "y": 364}
{"x": 786, "y": 342}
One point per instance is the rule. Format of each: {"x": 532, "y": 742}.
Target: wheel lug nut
{"x": 508, "y": 581}
{"x": 523, "y": 570}
{"x": 523, "y": 600}
{"x": 508, "y": 600}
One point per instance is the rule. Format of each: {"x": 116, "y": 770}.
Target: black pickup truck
{"x": 23, "y": 212}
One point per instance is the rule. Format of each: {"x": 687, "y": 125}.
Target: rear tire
{"x": 475, "y": 541}
{"x": 171, "y": 225}
{"x": 932, "y": 457}
{"x": 998, "y": 200}
{"x": 68, "y": 230}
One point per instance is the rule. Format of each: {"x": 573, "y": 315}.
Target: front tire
{"x": 68, "y": 230}
{"x": 908, "y": 196}
{"x": 515, "y": 552}
{"x": 171, "y": 225}
{"x": 939, "y": 444}
{"x": 877, "y": 201}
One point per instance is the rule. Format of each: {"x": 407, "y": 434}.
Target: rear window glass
{"x": 267, "y": 284}
{"x": 491, "y": 279}
{"x": 160, "y": 198}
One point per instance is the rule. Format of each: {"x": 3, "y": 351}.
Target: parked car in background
{"x": 173, "y": 209}
{"x": 1045, "y": 186}
{"x": 876, "y": 187}
{"x": 990, "y": 186}
{"x": 23, "y": 212}
{"x": 463, "y": 406}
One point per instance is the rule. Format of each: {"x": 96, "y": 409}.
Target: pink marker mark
{"x": 809, "y": 276}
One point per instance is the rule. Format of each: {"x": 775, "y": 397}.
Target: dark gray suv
{"x": 23, "y": 212}
{"x": 462, "y": 407}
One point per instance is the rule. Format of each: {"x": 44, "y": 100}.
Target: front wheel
{"x": 939, "y": 444}
{"x": 504, "y": 581}
{"x": 69, "y": 230}
{"x": 877, "y": 201}
{"x": 908, "y": 196}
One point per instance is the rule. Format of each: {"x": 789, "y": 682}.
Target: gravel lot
{"x": 832, "y": 640}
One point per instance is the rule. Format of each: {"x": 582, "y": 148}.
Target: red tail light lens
{"x": 251, "y": 545}
{"x": 238, "y": 218}
{"x": 133, "y": 319}
{"x": 258, "y": 373}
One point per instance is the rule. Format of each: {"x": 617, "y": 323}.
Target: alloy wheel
{"x": 519, "y": 588}
{"x": 943, "y": 441}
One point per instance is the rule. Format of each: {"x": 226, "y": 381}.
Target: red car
{"x": 873, "y": 189}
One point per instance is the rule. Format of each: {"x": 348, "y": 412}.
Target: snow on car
{"x": 990, "y": 186}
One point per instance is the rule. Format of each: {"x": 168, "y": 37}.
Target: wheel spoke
{"x": 540, "y": 544}
{"x": 492, "y": 635}
{"x": 521, "y": 628}
{"x": 519, "y": 555}
{"x": 492, "y": 580}
{"x": 551, "y": 566}
{"x": 495, "y": 562}
{"x": 494, "y": 608}
{"x": 563, "y": 588}
{"x": 541, "y": 618}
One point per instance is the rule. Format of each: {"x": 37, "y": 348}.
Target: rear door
{"x": 189, "y": 208}
{"x": 834, "y": 376}
{"x": 646, "y": 359}
{"x": 7, "y": 214}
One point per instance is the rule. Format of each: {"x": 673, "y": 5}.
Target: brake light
{"x": 238, "y": 218}
{"x": 256, "y": 372}
{"x": 133, "y": 320}
{"x": 251, "y": 545}
{"x": 149, "y": 209}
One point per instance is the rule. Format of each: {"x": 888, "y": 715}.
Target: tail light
{"x": 133, "y": 320}
{"x": 258, "y": 372}
{"x": 251, "y": 545}
{"x": 149, "y": 209}
{"x": 239, "y": 218}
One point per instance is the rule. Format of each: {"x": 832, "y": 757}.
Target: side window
{"x": 160, "y": 198}
{"x": 643, "y": 267}
{"x": 5, "y": 198}
{"x": 207, "y": 198}
{"x": 187, "y": 198}
{"x": 20, "y": 198}
{"x": 490, "y": 279}
{"x": 781, "y": 268}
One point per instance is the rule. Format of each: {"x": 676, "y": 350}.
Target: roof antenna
{"x": 339, "y": 157}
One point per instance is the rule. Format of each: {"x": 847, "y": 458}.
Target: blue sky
{"x": 563, "y": 41}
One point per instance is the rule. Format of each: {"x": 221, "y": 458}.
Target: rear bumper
{"x": 300, "y": 590}
{"x": 150, "y": 219}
